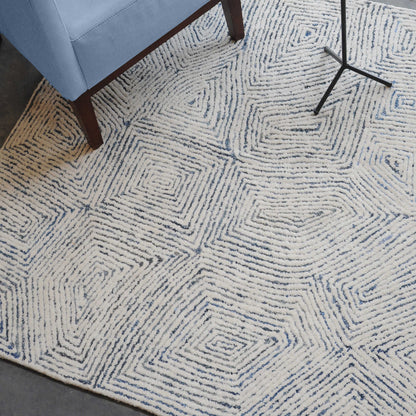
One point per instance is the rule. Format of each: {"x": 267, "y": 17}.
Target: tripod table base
{"x": 344, "y": 66}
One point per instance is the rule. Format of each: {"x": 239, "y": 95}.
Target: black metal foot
{"x": 328, "y": 91}
{"x": 368, "y": 75}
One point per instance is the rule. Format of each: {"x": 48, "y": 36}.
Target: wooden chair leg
{"x": 234, "y": 18}
{"x": 84, "y": 111}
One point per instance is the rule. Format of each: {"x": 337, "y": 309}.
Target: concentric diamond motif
{"x": 226, "y": 251}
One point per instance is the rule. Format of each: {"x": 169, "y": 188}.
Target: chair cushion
{"x": 105, "y": 34}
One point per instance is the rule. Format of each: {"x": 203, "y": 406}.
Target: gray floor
{"x": 26, "y": 393}
{"x": 23, "y": 392}
{"x": 17, "y": 80}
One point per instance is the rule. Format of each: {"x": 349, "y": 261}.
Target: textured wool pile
{"x": 226, "y": 252}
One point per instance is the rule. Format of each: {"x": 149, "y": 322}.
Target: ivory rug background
{"x": 226, "y": 252}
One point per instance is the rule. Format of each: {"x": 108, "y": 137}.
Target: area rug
{"x": 226, "y": 252}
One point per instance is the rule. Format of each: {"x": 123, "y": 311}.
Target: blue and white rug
{"x": 226, "y": 252}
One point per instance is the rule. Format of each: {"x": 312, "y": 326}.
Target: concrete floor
{"x": 26, "y": 393}
{"x": 18, "y": 78}
{"x": 23, "y": 392}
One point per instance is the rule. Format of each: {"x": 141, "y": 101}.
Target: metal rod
{"x": 366, "y": 74}
{"x": 344, "y": 31}
{"x": 330, "y": 52}
{"x": 328, "y": 91}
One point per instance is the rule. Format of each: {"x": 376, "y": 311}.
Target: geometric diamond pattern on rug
{"x": 226, "y": 252}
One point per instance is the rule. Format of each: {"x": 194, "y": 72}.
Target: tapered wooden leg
{"x": 234, "y": 18}
{"x": 84, "y": 111}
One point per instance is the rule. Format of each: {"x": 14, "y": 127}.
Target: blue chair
{"x": 79, "y": 46}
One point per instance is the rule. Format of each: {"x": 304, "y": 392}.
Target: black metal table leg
{"x": 328, "y": 91}
{"x": 344, "y": 61}
{"x": 330, "y": 52}
{"x": 373, "y": 77}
